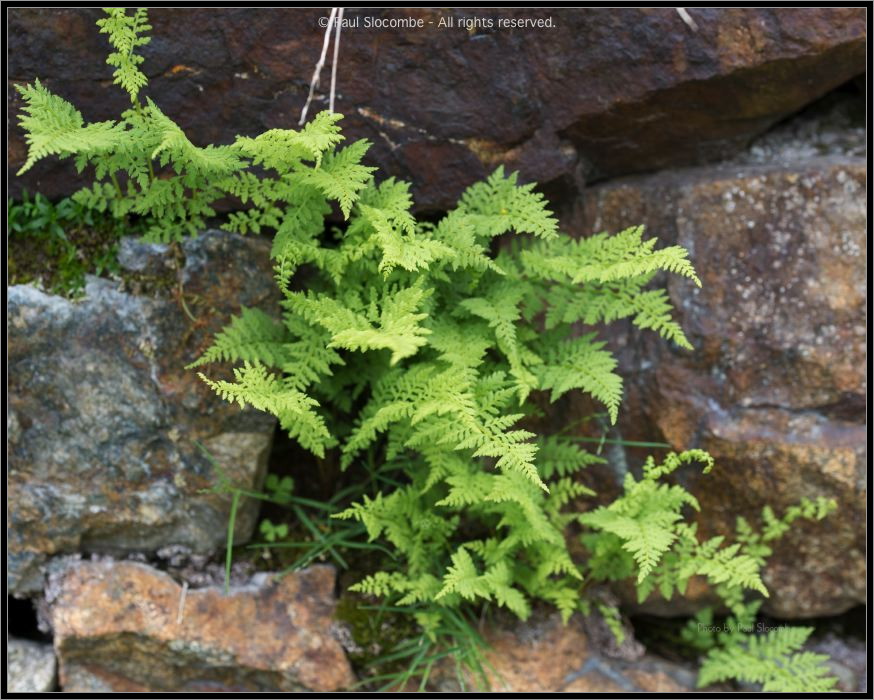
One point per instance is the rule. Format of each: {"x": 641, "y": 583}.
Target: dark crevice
{"x": 22, "y": 621}
{"x": 661, "y": 635}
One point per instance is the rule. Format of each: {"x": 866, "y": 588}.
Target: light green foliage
{"x": 772, "y": 659}
{"x": 145, "y": 165}
{"x": 646, "y": 521}
{"x": 414, "y": 349}
{"x": 56, "y": 244}
{"x": 124, "y": 34}
{"x": 740, "y": 648}
{"x": 419, "y": 345}
{"x": 644, "y": 533}
{"x": 271, "y": 532}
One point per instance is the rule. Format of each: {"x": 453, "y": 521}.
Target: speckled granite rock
{"x": 126, "y": 627}
{"x": 776, "y": 387}
{"x": 104, "y": 418}
{"x": 30, "y": 666}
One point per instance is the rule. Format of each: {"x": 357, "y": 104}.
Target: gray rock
{"x": 848, "y": 660}
{"x": 834, "y": 126}
{"x": 30, "y": 666}
{"x": 104, "y": 453}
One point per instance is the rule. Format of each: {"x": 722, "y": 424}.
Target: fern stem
{"x": 117, "y": 186}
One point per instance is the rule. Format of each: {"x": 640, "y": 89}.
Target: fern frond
{"x": 499, "y": 205}
{"x": 341, "y": 176}
{"x": 124, "y": 35}
{"x": 265, "y": 392}
{"x": 582, "y": 363}
{"x": 174, "y": 147}
{"x": 625, "y": 255}
{"x": 773, "y": 660}
{"x": 54, "y": 127}
{"x": 253, "y": 336}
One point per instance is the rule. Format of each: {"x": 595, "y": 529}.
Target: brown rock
{"x": 103, "y": 456}
{"x": 125, "y": 627}
{"x": 593, "y": 682}
{"x": 605, "y": 92}
{"x": 545, "y": 656}
{"x": 536, "y": 656}
{"x": 776, "y": 386}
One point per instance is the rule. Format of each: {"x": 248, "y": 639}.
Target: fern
{"x": 124, "y": 34}
{"x": 644, "y": 532}
{"x": 422, "y": 346}
{"x": 145, "y": 165}
{"x": 253, "y": 337}
{"x": 773, "y": 660}
{"x": 416, "y": 342}
{"x": 54, "y": 127}
{"x": 296, "y": 411}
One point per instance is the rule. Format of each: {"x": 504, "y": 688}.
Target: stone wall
{"x": 713, "y": 133}
{"x": 607, "y": 92}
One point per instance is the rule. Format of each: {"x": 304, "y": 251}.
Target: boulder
{"x": 848, "y": 660}
{"x": 602, "y": 92}
{"x": 126, "y": 627}
{"x": 104, "y": 421}
{"x": 543, "y": 655}
{"x": 30, "y": 666}
{"x": 776, "y": 386}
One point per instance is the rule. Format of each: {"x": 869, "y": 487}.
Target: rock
{"x": 104, "y": 454}
{"x": 776, "y": 387}
{"x": 545, "y": 656}
{"x": 848, "y": 660}
{"x": 604, "y": 92}
{"x": 30, "y": 666}
{"x": 126, "y": 627}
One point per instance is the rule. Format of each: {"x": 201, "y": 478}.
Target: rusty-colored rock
{"x": 103, "y": 456}
{"x": 776, "y": 387}
{"x": 536, "y": 656}
{"x": 123, "y": 626}
{"x": 545, "y": 656}
{"x": 604, "y": 92}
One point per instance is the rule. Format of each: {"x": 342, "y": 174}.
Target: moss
{"x": 55, "y": 245}
{"x": 374, "y": 633}
{"x": 163, "y": 282}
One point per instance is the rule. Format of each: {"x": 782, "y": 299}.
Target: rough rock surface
{"x": 848, "y": 660}
{"x": 104, "y": 417}
{"x": 776, "y": 387}
{"x": 126, "y": 627}
{"x": 30, "y": 666}
{"x": 543, "y": 656}
{"x": 605, "y": 92}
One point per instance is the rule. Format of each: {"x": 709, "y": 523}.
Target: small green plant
{"x": 271, "y": 532}
{"x": 280, "y": 489}
{"x": 748, "y": 651}
{"x": 642, "y": 535}
{"x": 417, "y": 344}
{"x": 56, "y": 244}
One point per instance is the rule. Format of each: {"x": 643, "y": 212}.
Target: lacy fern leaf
{"x": 124, "y": 32}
